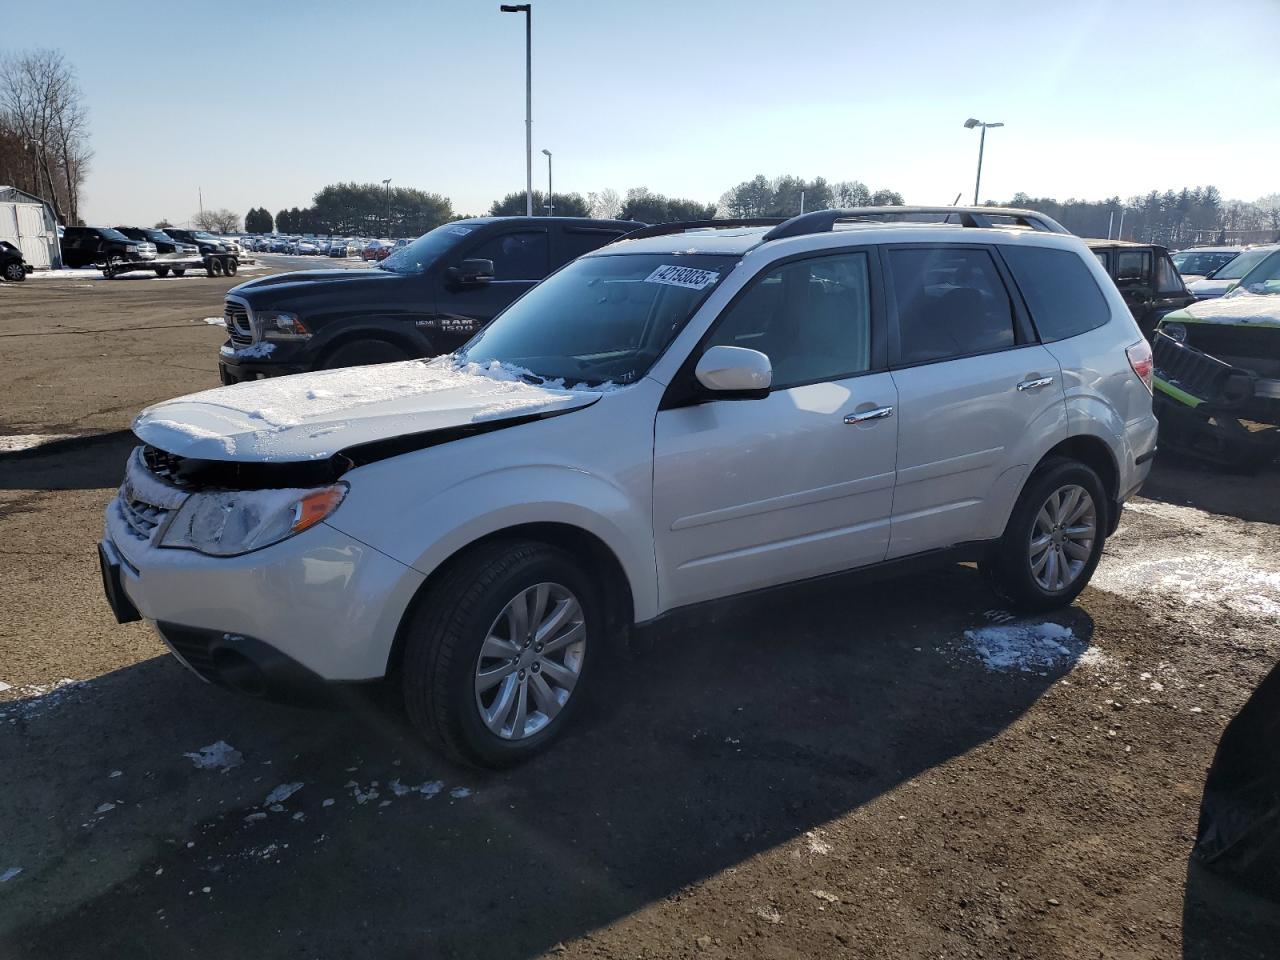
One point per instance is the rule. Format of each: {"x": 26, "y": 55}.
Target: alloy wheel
{"x": 1062, "y": 537}
{"x": 530, "y": 661}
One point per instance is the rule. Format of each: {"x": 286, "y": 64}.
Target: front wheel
{"x": 361, "y": 353}
{"x": 231, "y": 266}
{"x": 497, "y": 652}
{"x": 179, "y": 273}
{"x": 1053, "y": 539}
{"x": 15, "y": 272}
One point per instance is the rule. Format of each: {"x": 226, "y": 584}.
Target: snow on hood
{"x": 1249, "y": 309}
{"x": 314, "y": 415}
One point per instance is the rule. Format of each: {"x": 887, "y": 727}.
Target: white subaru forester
{"x": 689, "y": 414}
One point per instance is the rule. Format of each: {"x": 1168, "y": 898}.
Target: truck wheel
{"x": 179, "y": 272}
{"x": 214, "y": 267}
{"x": 109, "y": 270}
{"x": 362, "y": 353}
{"x": 498, "y": 651}
{"x": 231, "y": 266}
{"x": 162, "y": 271}
{"x": 1053, "y": 540}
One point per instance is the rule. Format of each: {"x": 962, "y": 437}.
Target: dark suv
{"x": 87, "y": 246}
{"x": 427, "y": 298}
{"x": 1147, "y": 278}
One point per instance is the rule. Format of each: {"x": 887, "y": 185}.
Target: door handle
{"x": 1034, "y": 384}
{"x": 879, "y": 413}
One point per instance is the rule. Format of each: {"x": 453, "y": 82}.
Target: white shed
{"x": 28, "y": 223}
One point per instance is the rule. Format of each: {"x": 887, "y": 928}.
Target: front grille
{"x": 140, "y": 518}
{"x": 239, "y": 329}
{"x": 1189, "y": 369}
{"x": 163, "y": 464}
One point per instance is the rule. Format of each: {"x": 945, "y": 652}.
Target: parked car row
{"x": 336, "y": 247}
{"x": 1215, "y": 270}
{"x": 172, "y": 250}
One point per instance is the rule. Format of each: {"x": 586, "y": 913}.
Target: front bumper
{"x": 287, "y": 357}
{"x": 322, "y": 600}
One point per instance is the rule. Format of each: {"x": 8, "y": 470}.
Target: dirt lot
{"x": 839, "y": 773}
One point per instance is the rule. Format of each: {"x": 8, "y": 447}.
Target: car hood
{"x": 317, "y": 415}
{"x": 1237, "y": 310}
{"x": 310, "y": 277}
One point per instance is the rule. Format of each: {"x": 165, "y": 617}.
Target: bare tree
{"x": 604, "y": 205}
{"x": 41, "y": 104}
{"x": 216, "y": 221}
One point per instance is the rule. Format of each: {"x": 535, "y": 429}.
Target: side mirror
{"x": 472, "y": 272}
{"x": 735, "y": 373}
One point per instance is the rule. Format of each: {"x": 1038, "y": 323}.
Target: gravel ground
{"x": 838, "y": 772}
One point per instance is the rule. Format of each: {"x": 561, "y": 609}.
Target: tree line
{"x": 44, "y": 130}
{"x": 1174, "y": 218}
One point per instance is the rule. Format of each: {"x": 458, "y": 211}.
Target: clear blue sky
{"x": 264, "y": 102}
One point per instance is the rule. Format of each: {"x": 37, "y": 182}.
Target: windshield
{"x": 110, "y": 234}
{"x": 1200, "y": 264}
{"x": 157, "y": 236}
{"x": 1241, "y": 265}
{"x": 601, "y": 319}
{"x": 415, "y": 257}
{"x": 1264, "y": 278}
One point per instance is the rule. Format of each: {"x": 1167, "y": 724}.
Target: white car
{"x": 1196, "y": 263}
{"x": 1224, "y": 278}
{"x": 675, "y": 419}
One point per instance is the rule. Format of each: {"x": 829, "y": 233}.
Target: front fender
{"x": 425, "y": 533}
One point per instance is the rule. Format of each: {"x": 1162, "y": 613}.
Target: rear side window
{"x": 571, "y": 244}
{"x": 951, "y": 303}
{"x": 1133, "y": 266}
{"x": 515, "y": 256}
{"x": 1060, "y": 291}
{"x": 1168, "y": 280}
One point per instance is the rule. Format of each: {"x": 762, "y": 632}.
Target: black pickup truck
{"x": 426, "y": 299}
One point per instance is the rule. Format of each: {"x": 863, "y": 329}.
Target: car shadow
{"x": 716, "y": 741}
{"x": 94, "y": 461}
{"x": 1188, "y": 481}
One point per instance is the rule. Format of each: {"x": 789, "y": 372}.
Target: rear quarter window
{"x": 1060, "y": 291}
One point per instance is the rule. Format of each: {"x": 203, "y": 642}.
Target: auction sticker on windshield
{"x": 690, "y": 277}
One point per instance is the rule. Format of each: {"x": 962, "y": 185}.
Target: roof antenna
{"x": 953, "y": 203}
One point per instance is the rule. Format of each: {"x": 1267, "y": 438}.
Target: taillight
{"x": 1139, "y": 355}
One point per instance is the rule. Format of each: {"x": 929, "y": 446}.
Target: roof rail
{"x": 823, "y": 221}
{"x": 681, "y": 226}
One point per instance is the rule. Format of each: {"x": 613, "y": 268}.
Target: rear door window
{"x": 522, "y": 255}
{"x": 1133, "y": 266}
{"x": 1060, "y": 291}
{"x": 951, "y": 302}
{"x": 571, "y": 244}
{"x": 1168, "y": 280}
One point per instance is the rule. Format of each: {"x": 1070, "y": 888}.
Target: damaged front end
{"x": 1217, "y": 388}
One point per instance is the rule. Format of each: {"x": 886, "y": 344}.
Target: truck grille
{"x": 239, "y": 329}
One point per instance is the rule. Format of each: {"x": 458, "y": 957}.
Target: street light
{"x": 527, "y": 10}
{"x": 386, "y": 189}
{"x": 551, "y": 197}
{"x": 982, "y": 142}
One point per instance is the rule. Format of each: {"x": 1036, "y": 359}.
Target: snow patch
{"x": 13, "y": 442}
{"x": 460, "y": 793}
{"x": 220, "y": 756}
{"x": 1026, "y": 647}
{"x": 281, "y": 793}
{"x": 1241, "y": 585}
{"x": 215, "y": 321}
{"x": 10, "y": 874}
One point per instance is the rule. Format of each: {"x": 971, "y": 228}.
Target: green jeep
{"x": 1217, "y": 372}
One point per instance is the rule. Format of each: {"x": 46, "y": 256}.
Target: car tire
{"x": 231, "y": 266}
{"x": 214, "y": 267}
{"x": 15, "y": 272}
{"x": 461, "y": 629}
{"x": 1044, "y": 559}
{"x": 362, "y": 353}
{"x": 162, "y": 271}
{"x": 179, "y": 273}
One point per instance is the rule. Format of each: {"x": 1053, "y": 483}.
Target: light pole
{"x": 551, "y": 197}
{"x": 982, "y": 142}
{"x": 527, "y": 10}
{"x": 386, "y": 189}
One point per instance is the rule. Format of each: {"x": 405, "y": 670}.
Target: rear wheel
{"x": 179, "y": 273}
{"x": 497, "y": 651}
{"x": 231, "y": 266}
{"x": 214, "y": 267}
{"x": 15, "y": 272}
{"x": 362, "y": 353}
{"x": 162, "y": 271}
{"x": 1053, "y": 539}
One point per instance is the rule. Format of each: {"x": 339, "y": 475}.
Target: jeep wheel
{"x": 1053, "y": 540}
{"x": 497, "y": 651}
{"x": 14, "y": 272}
{"x": 362, "y": 353}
